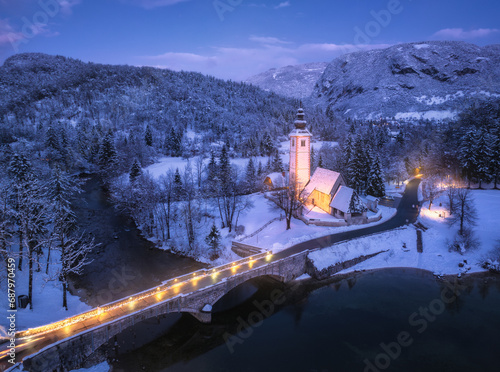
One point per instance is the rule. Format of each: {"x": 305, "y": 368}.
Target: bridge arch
{"x": 72, "y": 352}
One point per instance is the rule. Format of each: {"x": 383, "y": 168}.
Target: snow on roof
{"x": 322, "y": 180}
{"x": 342, "y": 199}
{"x": 371, "y": 198}
{"x": 277, "y": 179}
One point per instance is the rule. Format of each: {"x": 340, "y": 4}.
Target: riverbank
{"x": 438, "y": 256}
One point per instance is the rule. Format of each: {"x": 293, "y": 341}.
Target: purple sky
{"x": 234, "y": 39}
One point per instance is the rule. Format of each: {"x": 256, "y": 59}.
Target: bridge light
{"x": 158, "y": 288}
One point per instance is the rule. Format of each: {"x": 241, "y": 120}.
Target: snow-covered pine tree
{"x": 108, "y": 158}
{"x": 356, "y": 205}
{"x": 148, "y": 136}
{"x": 178, "y": 186}
{"x": 249, "y": 183}
{"x": 467, "y": 154}
{"x": 482, "y": 150}
{"x": 376, "y": 185}
{"x": 494, "y": 145}
{"x": 135, "y": 171}
{"x": 277, "y": 163}
{"x": 213, "y": 241}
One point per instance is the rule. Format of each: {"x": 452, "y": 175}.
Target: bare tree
{"x": 465, "y": 211}
{"x": 451, "y": 195}
{"x": 289, "y": 201}
{"x": 74, "y": 251}
{"x": 430, "y": 189}
{"x": 167, "y": 200}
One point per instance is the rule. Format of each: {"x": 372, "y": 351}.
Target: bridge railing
{"x": 165, "y": 286}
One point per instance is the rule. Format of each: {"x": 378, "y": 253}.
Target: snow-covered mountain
{"x": 433, "y": 80}
{"x": 290, "y": 81}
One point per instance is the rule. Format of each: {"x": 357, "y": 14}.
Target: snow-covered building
{"x": 276, "y": 181}
{"x": 326, "y": 189}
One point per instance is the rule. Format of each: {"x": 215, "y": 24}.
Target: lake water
{"x": 392, "y": 320}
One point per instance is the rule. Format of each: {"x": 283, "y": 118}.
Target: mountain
{"x": 425, "y": 80}
{"x": 44, "y": 88}
{"x": 290, "y": 81}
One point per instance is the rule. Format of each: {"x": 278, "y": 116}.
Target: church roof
{"x": 342, "y": 201}
{"x": 323, "y": 180}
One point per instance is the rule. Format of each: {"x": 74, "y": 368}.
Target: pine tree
{"x": 494, "y": 145}
{"x": 135, "y": 171}
{"x": 313, "y": 160}
{"x": 148, "y": 136}
{"x": 224, "y": 170}
{"x": 51, "y": 141}
{"x": 250, "y": 177}
{"x": 260, "y": 169}
{"x": 173, "y": 143}
{"x": 213, "y": 241}
{"x": 277, "y": 164}
{"x": 376, "y": 185}
{"x": 467, "y": 155}
{"x": 267, "y": 146}
{"x": 483, "y": 153}
{"x": 108, "y": 158}
{"x": 178, "y": 186}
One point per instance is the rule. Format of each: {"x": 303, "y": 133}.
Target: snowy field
{"x": 436, "y": 256}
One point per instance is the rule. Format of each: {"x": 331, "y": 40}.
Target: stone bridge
{"x": 72, "y": 352}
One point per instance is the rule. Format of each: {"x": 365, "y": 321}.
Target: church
{"x": 325, "y": 196}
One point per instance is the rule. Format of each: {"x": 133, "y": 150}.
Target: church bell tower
{"x": 300, "y": 154}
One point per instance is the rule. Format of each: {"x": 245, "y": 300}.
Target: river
{"x": 348, "y": 324}
{"x": 125, "y": 262}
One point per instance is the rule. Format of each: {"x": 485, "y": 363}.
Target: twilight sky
{"x": 234, "y": 39}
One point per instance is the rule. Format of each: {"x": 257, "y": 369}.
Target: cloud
{"x": 241, "y": 63}
{"x": 282, "y": 5}
{"x": 151, "y": 4}
{"x": 9, "y": 35}
{"x": 66, "y": 6}
{"x": 461, "y": 34}
{"x": 268, "y": 40}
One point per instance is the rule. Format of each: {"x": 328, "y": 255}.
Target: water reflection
{"x": 336, "y": 325}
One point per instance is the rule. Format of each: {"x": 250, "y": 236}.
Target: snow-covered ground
{"x": 402, "y": 244}
{"x": 275, "y": 237}
{"x": 47, "y": 300}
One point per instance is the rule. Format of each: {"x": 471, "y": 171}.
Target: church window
{"x": 293, "y": 143}
{"x": 303, "y": 143}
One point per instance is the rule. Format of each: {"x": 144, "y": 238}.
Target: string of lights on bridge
{"x": 157, "y": 292}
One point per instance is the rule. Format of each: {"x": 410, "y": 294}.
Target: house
{"x": 276, "y": 181}
{"x": 372, "y": 203}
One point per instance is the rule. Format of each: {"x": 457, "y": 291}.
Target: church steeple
{"x": 300, "y": 153}
{"x": 300, "y": 123}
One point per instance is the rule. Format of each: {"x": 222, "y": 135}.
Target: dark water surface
{"x": 339, "y": 325}
{"x": 125, "y": 263}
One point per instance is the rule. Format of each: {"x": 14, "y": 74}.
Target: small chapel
{"x": 326, "y": 192}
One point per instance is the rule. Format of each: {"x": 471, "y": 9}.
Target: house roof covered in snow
{"x": 342, "y": 199}
{"x": 277, "y": 179}
{"x": 322, "y": 180}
